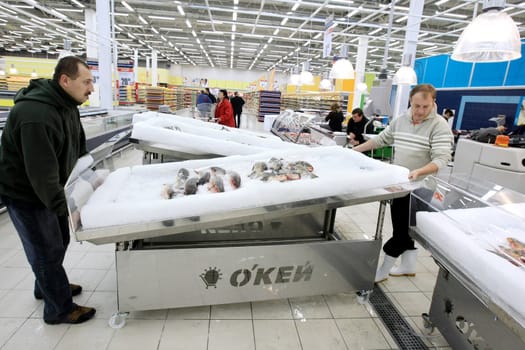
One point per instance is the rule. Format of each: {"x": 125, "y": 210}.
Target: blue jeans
{"x": 45, "y": 237}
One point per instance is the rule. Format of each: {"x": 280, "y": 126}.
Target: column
{"x": 136, "y": 66}
{"x": 411, "y": 34}
{"x": 360, "y": 70}
{"x": 104, "y": 54}
{"x": 90, "y": 17}
{"x": 154, "y": 76}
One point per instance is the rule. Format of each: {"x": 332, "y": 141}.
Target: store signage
{"x": 468, "y": 330}
{"x": 327, "y": 40}
{"x": 257, "y": 275}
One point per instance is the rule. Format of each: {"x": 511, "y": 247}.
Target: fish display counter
{"x": 476, "y": 234}
{"x": 186, "y": 138}
{"x": 233, "y": 229}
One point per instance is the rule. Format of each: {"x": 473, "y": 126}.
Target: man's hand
{"x": 353, "y": 142}
{"x": 414, "y": 174}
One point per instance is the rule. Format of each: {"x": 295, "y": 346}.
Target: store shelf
{"x": 154, "y": 98}
{"x": 319, "y": 101}
{"x": 269, "y": 103}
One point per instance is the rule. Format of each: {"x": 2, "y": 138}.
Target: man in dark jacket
{"x": 41, "y": 142}
{"x": 237, "y": 103}
{"x": 211, "y": 96}
{"x": 356, "y": 127}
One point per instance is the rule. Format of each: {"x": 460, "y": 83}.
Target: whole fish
{"x": 235, "y": 179}
{"x": 191, "y": 185}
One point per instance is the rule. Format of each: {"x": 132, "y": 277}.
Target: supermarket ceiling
{"x": 243, "y": 34}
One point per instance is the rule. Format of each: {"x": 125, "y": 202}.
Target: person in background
{"x": 448, "y": 114}
{"x": 237, "y": 103}
{"x": 356, "y": 127}
{"x": 423, "y": 144}
{"x": 224, "y": 110}
{"x": 42, "y": 140}
{"x": 203, "y": 104}
{"x": 211, "y": 96}
{"x": 335, "y": 117}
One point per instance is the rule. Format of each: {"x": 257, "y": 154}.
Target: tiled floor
{"x": 320, "y": 322}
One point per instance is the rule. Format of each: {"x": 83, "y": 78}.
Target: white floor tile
{"x": 345, "y": 306}
{"x": 109, "y": 282}
{"x": 8, "y": 327}
{"x": 17, "y": 260}
{"x": 28, "y": 283}
{"x": 137, "y": 335}
{"x": 35, "y": 334}
{"x": 362, "y": 334}
{"x": 104, "y": 302}
{"x": 429, "y": 263}
{"x": 92, "y": 334}
{"x": 190, "y": 313}
{"x": 231, "y": 334}
{"x": 185, "y": 335}
{"x": 310, "y": 307}
{"x": 11, "y": 276}
{"x": 73, "y": 258}
{"x": 10, "y": 241}
{"x": 97, "y": 260}
{"x": 275, "y": 335}
{"x": 424, "y": 281}
{"x": 239, "y": 311}
{"x": 399, "y": 284}
{"x": 17, "y": 304}
{"x": 320, "y": 335}
{"x": 89, "y": 279}
{"x": 6, "y": 254}
{"x": 278, "y": 309}
{"x": 414, "y": 304}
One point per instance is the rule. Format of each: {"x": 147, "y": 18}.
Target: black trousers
{"x": 400, "y": 241}
{"x": 237, "y": 116}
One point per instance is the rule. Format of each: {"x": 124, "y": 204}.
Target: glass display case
{"x": 300, "y": 128}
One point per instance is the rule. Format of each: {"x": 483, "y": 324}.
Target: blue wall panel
{"x": 489, "y": 74}
{"x": 435, "y": 66}
{"x": 516, "y": 74}
{"x": 457, "y": 74}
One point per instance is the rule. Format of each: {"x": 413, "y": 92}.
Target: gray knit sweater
{"x": 417, "y": 145}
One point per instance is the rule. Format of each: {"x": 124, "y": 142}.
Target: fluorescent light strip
{"x": 440, "y": 2}
{"x": 163, "y": 18}
{"x": 181, "y": 11}
{"x": 283, "y": 22}
{"x": 69, "y": 10}
{"x": 142, "y": 20}
{"x": 166, "y": 29}
{"x": 126, "y": 5}
{"x": 454, "y": 15}
{"x": 77, "y": 3}
{"x": 188, "y": 23}
{"x": 154, "y": 30}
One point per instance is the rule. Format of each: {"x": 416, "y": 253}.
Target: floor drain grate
{"x": 400, "y": 330}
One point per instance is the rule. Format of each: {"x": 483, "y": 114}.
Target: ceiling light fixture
{"x": 296, "y": 6}
{"x": 142, "y": 20}
{"x": 77, "y": 3}
{"x": 342, "y": 68}
{"x": 188, "y": 23}
{"x": 406, "y": 74}
{"x": 283, "y": 22}
{"x": 154, "y": 30}
{"x": 181, "y": 11}
{"x": 491, "y": 37}
{"x": 441, "y": 2}
{"x": 276, "y": 31}
{"x": 127, "y": 6}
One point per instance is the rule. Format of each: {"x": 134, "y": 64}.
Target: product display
{"x": 296, "y": 127}
{"x": 132, "y": 194}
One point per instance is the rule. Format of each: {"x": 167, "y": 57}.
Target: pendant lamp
{"x": 342, "y": 68}
{"x": 491, "y": 37}
{"x": 306, "y": 78}
{"x": 406, "y": 74}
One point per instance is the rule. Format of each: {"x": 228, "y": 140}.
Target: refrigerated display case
{"x": 300, "y": 128}
{"x": 476, "y": 233}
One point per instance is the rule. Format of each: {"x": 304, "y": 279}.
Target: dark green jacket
{"x": 41, "y": 142}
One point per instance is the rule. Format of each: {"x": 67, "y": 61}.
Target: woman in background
{"x": 224, "y": 110}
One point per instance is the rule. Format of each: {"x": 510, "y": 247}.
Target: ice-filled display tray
{"x": 191, "y": 136}
{"x": 151, "y": 200}
{"x": 483, "y": 244}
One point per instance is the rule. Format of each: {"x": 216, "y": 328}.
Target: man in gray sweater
{"x": 422, "y": 143}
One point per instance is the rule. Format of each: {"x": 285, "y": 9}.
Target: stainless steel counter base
{"x": 465, "y": 321}
{"x": 168, "y": 278}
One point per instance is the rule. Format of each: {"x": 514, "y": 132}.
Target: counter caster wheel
{"x": 429, "y": 326}
{"x": 363, "y": 296}
{"x": 118, "y": 320}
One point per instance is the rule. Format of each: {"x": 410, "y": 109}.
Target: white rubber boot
{"x": 384, "y": 269}
{"x": 407, "y": 266}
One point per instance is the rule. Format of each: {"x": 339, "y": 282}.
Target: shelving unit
{"x": 170, "y": 98}
{"x": 319, "y": 101}
{"x": 154, "y": 97}
{"x": 269, "y": 103}
{"x": 126, "y": 95}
